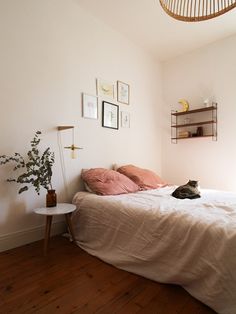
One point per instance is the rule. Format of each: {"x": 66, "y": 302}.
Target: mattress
{"x": 187, "y": 242}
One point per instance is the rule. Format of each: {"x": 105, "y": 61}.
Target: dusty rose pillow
{"x": 144, "y": 178}
{"x": 108, "y": 182}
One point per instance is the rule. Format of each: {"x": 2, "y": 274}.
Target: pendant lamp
{"x": 196, "y": 10}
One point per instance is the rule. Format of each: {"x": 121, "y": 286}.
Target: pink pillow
{"x": 108, "y": 182}
{"x": 145, "y": 179}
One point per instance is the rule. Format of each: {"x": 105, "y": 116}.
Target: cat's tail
{"x": 191, "y": 197}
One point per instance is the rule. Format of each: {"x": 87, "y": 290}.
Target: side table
{"x": 61, "y": 209}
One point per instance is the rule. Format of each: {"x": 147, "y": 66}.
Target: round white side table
{"x": 61, "y": 209}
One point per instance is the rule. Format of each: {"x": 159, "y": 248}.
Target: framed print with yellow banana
{"x": 105, "y": 88}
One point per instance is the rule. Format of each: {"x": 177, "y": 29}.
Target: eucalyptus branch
{"x": 37, "y": 168}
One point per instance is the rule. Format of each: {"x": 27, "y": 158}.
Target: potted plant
{"x": 37, "y": 169}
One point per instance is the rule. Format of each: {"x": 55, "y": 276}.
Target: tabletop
{"x": 60, "y": 209}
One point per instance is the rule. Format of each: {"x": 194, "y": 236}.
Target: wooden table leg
{"x": 69, "y": 224}
{"x": 47, "y": 233}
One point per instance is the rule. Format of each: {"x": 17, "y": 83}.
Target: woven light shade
{"x": 196, "y": 10}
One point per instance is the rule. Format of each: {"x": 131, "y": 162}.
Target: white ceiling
{"x": 145, "y": 23}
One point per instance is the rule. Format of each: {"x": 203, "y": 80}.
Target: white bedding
{"x": 187, "y": 242}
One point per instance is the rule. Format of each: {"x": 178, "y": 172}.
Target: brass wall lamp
{"x": 72, "y": 147}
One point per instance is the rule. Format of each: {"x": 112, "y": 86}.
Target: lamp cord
{"x": 62, "y": 162}
{"x": 73, "y": 136}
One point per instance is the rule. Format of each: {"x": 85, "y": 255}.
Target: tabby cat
{"x": 188, "y": 190}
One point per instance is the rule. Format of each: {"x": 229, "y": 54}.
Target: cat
{"x": 188, "y": 190}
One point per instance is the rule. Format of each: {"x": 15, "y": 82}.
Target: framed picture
{"x": 123, "y": 92}
{"x": 90, "y": 106}
{"x": 125, "y": 119}
{"x": 110, "y": 115}
{"x": 105, "y": 88}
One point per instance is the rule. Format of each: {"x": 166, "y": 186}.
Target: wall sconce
{"x": 72, "y": 147}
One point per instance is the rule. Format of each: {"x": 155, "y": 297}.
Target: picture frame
{"x": 105, "y": 88}
{"x": 123, "y": 92}
{"x": 125, "y": 119}
{"x": 89, "y": 106}
{"x": 110, "y": 115}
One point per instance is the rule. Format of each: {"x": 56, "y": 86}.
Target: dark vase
{"x": 51, "y": 198}
{"x": 200, "y": 131}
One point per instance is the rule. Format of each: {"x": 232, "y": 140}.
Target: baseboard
{"x": 12, "y": 240}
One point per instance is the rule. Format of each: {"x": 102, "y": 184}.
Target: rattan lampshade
{"x": 196, "y": 10}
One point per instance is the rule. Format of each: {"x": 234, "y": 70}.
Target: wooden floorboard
{"x": 68, "y": 280}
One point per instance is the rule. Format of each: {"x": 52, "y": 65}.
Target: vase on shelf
{"x": 200, "y": 131}
{"x": 51, "y": 198}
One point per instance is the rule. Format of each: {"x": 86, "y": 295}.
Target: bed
{"x": 187, "y": 242}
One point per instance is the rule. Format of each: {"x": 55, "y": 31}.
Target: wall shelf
{"x": 192, "y": 124}
{"x": 181, "y": 113}
{"x": 205, "y": 119}
{"x": 191, "y": 138}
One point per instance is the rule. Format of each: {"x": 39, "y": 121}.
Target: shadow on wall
{"x": 16, "y": 211}
{"x": 13, "y": 211}
{"x": 75, "y": 185}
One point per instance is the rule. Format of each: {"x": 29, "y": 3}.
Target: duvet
{"x": 187, "y": 242}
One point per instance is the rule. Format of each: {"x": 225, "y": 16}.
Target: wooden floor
{"x": 69, "y": 280}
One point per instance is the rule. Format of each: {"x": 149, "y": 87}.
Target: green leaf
{"x": 25, "y": 188}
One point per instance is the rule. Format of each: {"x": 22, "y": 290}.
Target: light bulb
{"x": 73, "y": 154}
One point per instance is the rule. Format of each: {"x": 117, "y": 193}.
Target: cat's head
{"x": 193, "y": 183}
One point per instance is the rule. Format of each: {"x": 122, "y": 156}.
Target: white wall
{"x": 207, "y": 72}
{"x": 51, "y": 52}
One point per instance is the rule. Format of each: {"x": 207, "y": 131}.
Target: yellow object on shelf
{"x": 185, "y": 104}
{"x": 184, "y": 134}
